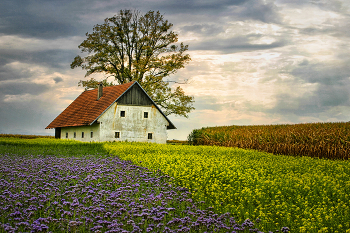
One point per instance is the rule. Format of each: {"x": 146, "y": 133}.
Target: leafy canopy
{"x": 131, "y": 46}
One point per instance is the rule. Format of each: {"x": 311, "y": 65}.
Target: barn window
{"x": 82, "y": 134}
{"x": 117, "y": 135}
{"x": 145, "y": 115}
{"x": 66, "y": 134}
{"x": 149, "y": 135}
{"x": 92, "y": 134}
{"x": 75, "y": 134}
{"x": 122, "y": 113}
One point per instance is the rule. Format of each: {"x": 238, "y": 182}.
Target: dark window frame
{"x": 117, "y": 134}
{"x": 91, "y": 134}
{"x": 66, "y": 134}
{"x": 122, "y": 113}
{"x": 150, "y": 136}
{"x": 75, "y": 135}
{"x": 145, "y": 114}
{"x": 82, "y": 134}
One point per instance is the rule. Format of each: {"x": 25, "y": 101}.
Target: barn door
{"x": 57, "y": 132}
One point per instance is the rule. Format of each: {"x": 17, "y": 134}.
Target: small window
{"x": 82, "y": 134}
{"x": 66, "y": 134}
{"x": 92, "y": 134}
{"x": 75, "y": 134}
{"x": 145, "y": 115}
{"x": 117, "y": 134}
{"x": 149, "y": 135}
{"x": 122, "y": 113}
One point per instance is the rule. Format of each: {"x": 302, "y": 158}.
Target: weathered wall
{"x": 133, "y": 127}
{"x": 79, "y": 129}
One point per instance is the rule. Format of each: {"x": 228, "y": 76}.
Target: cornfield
{"x": 321, "y": 140}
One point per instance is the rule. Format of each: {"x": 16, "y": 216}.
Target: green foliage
{"x": 194, "y": 136}
{"x": 321, "y": 140}
{"x": 131, "y": 46}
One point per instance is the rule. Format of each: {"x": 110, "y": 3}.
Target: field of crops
{"x": 49, "y": 185}
{"x": 303, "y": 193}
{"x": 102, "y": 191}
{"x": 321, "y": 140}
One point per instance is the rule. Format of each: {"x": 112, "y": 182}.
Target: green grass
{"x": 48, "y": 147}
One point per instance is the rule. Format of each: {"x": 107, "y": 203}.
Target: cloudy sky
{"x": 253, "y": 61}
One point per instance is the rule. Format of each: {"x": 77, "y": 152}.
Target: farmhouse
{"x": 116, "y": 113}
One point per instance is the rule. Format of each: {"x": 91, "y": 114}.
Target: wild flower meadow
{"x": 56, "y": 192}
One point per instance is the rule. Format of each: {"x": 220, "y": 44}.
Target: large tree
{"x": 131, "y": 46}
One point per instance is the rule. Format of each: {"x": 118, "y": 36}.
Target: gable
{"x": 135, "y": 96}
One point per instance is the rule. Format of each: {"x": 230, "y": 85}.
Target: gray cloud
{"x": 332, "y": 90}
{"x": 335, "y": 29}
{"x": 56, "y": 59}
{"x": 323, "y": 73}
{"x": 335, "y": 95}
{"x": 19, "y": 88}
{"x": 333, "y": 5}
{"x": 266, "y": 12}
{"x": 58, "y": 79}
{"x": 313, "y": 104}
{"x": 26, "y": 117}
{"x": 236, "y": 44}
{"x": 44, "y": 19}
{"x": 207, "y": 102}
{"x": 204, "y": 29}
{"x": 198, "y": 6}
{"x": 53, "y": 19}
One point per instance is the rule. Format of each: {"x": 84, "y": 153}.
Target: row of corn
{"x": 322, "y": 140}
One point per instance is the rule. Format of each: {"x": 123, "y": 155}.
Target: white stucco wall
{"x": 133, "y": 127}
{"x": 78, "y": 130}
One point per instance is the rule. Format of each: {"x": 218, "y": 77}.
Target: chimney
{"x": 100, "y": 91}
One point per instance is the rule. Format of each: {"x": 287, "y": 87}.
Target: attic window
{"x": 145, "y": 115}
{"x": 149, "y": 135}
{"x": 117, "y": 135}
{"x": 122, "y": 113}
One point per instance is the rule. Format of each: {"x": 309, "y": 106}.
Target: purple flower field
{"x": 94, "y": 194}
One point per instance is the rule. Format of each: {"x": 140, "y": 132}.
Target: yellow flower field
{"x": 302, "y": 193}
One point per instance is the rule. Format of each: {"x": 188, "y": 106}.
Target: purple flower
{"x": 95, "y": 228}
{"x": 100, "y": 195}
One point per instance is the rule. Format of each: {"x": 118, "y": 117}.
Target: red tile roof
{"x": 86, "y": 108}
